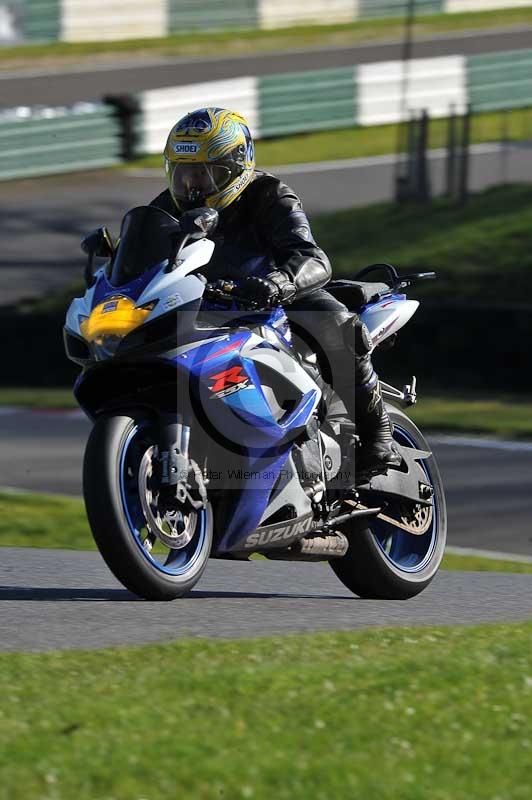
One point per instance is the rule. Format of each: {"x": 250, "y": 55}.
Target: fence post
{"x": 422, "y": 182}
{"x": 451, "y": 153}
{"x": 127, "y": 109}
{"x": 464, "y": 157}
{"x": 404, "y": 173}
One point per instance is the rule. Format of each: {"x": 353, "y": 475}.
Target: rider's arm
{"x": 284, "y": 225}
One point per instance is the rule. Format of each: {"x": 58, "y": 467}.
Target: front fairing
{"x": 111, "y": 320}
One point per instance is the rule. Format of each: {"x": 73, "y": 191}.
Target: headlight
{"x": 110, "y": 322}
{"x": 105, "y": 347}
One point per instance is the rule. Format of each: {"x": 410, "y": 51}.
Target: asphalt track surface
{"x": 487, "y": 484}
{"x": 42, "y": 222}
{"x": 56, "y": 599}
{"x": 65, "y": 600}
{"x": 60, "y": 87}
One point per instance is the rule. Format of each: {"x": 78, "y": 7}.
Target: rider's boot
{"x": 363, "y": 400}
{"x": 378, "y": 451}
{"x": 365, "y": 406}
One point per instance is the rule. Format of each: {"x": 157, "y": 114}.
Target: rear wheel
{"x": 156, "y": 544}
{"x": 383, "y": 560}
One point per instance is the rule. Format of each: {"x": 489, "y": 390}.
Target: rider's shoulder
{"x": 268, "y": 185}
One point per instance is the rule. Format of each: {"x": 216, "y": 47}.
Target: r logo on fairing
{"x": 229, "y": 381}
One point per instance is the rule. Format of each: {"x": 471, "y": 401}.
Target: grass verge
{"x": 41, "y": 520}
{"x": 49, "y": 521}
{"x": 482, "y": 248}
{"x": 345, "y": 143}
{"x": 509, "y": 417}
{"x": 37, "y": 397}
{"x": 291, "y": 718}
{"x": 244, "y": 41}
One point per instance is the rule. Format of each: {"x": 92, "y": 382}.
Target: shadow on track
{"x": 195, "y": 595}
{"x": 18, "y": 593}
{"x": 54, "y": 593}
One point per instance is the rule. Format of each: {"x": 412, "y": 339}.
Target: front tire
{"x": 385, "y": 562}
{"x": 114, "y": 453}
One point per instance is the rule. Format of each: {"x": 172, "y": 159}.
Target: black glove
{"x": 267, "y": 292}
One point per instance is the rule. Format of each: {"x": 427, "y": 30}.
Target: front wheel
{"x": 156, "y": 546}
{"x": 386, "y": 562}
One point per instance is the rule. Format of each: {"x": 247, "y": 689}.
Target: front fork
{"x": 178, "y": 476}
{"x": 173, "y": 438}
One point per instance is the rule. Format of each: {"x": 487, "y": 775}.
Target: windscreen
{"x": 147, "y": 238}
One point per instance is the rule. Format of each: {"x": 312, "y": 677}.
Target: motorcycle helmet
{"x": 209, "y": 159}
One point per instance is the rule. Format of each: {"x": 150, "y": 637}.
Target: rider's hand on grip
{"x": 258, "y": 293}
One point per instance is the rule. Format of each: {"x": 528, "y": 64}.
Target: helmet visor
{"x": 194, "y": 182}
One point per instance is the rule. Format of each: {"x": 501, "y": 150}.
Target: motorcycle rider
{"x": 264, "y": 243}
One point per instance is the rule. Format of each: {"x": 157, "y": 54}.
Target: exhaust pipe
{"x": 314, "y": 548}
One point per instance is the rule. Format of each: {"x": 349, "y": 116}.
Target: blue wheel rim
{"x": 407, "y": 552}
{"x": 176, "y": 563}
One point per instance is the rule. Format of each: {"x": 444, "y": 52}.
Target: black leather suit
{"x": 265, "y": 230}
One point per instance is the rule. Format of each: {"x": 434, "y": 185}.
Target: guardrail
{"x": 53, "y": 140}
{"x": 46, "y": 141}
{"x": 161, "y": 108}
{"x": 79, "y": 20}
{"x": 369, "y": 94}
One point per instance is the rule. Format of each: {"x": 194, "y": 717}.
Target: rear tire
{"x": 387, "y": 563}
{"x": 115, "y": 516}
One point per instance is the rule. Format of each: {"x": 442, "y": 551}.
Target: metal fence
{"x": 369, "y": 94}
{"x": 53, "y": 140}
{"x": 44, "y": 141}
{"x": 94, "y": 20}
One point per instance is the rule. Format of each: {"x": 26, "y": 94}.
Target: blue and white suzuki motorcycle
{"x": 215, "y": 435}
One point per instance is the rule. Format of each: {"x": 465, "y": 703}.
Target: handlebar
{"x": 220, "y": 295}
{"x": 393, "y": 279}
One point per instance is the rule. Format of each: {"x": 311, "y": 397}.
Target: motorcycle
{"x": 217, "y": 437}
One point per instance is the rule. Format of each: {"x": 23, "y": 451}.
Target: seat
{"x": 357, "y": 293}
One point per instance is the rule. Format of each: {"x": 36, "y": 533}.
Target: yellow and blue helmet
{"x": 209, "y": 158}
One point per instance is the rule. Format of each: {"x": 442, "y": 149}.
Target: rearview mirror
{"x": 98, "y": 244}
{"x": 198, "y": 223}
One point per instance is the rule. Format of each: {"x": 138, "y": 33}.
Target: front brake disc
{"x": 172, "y": 519}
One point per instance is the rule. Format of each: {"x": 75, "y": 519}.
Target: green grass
{"x": 39, "y": 520}
{"x": 513, "y": 125}
{"x": 455, "y": 562}
{"x": 37, "y": 398}
{"x": 51, "y": 521}
{"x": 483, "y": 248}
{"x": 253, "y": 41}
{"x": 386, "y": 714}
{"x": 505, "y": 418}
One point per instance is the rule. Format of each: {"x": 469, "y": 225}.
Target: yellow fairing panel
{"x": 116, "y": 316}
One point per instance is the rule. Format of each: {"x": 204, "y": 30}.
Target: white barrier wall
{"x": 162, "y": 108}
{"x": 96, "y": 20}
{"x": 280, "y": 13}
{"x": 456, "y": 6}
{"x": 112, "y": 19}
{"x": 433, "y": 84}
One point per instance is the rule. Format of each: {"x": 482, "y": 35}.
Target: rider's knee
{"x": 357, "y": 337}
